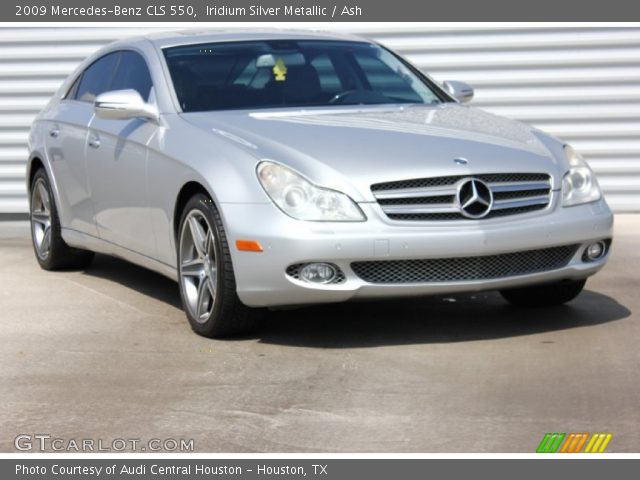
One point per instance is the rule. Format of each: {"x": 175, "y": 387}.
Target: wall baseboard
{"x": 13, "y": 217}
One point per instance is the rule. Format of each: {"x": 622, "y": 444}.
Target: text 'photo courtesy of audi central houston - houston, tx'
{"x": 273, "y": 168}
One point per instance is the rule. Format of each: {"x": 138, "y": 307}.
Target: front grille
{"x": 460, "y": 269}
{"x": 436, "y": 198}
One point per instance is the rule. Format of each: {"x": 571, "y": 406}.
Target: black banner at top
{"x": 318, "y": 11}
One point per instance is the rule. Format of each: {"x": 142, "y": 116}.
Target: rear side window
{"x": 132, "y": 74}
{"x": 97, "y": 78}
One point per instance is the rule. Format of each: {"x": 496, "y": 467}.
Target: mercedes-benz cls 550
{"x": 270, "y": 169}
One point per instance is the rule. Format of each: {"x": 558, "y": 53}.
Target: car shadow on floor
{"x": 136, "y": 278}
{"x": 415, "y": 320}
{"x": 443, "y": 319}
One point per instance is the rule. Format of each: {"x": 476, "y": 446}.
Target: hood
{"x": 352, "y": 148}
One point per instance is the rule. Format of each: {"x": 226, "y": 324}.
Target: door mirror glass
{"x": 462, "y": 92}
{"x": 123, "y": 105}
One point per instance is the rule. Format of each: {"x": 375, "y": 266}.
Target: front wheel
{"x": 546, "y": 295}
{"x": 207, "y": 281}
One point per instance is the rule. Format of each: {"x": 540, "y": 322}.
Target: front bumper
{"x": 262, "y": 280}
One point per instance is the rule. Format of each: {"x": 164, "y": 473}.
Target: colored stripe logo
{"x": 574, "y": 442}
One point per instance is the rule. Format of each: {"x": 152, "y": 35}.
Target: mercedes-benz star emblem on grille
{"x": 474, "y": 198}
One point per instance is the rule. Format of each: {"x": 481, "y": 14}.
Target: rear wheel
{"x": 51, "y": 250}
{"x": 546, "y": 295}
{"x": 207, "y": 281}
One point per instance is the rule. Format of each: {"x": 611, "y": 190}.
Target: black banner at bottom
{"x": 329, "y": 469}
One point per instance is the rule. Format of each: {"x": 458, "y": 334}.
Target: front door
{"x": 117, "y": 163}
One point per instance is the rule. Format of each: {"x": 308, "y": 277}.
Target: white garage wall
{"x": 582, "y": 84}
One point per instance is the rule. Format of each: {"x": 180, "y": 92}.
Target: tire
{"x": 50, "y": 249}
{"x": 208, "y": 285}
{"x": 546, "y": 295}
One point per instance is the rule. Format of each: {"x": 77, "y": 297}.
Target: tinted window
{"x": 132, "y": 74}
{"x": 97, "y": 78}
{"x": 71, "y": 93}
{"x": 263, "y": 74}
{"x": 382, "y": 78}
{"x": 329, "y": 80}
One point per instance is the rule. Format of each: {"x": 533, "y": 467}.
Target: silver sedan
{"x": 269, "y": 169}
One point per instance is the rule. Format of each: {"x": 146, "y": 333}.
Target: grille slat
{"x": 517, "y": 186}
{"x": 521, "y": 202}
{"x": 519, "y": 194}
{"x": 414, "y": 193}
{"x": 417, "y": 200}
{"x": 458, "y": 269}
{"x": 420, "y": 209}
{"x": 435, "y": 198}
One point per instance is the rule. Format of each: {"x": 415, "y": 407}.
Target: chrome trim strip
{"x": 518, "y": 186}
{"x": 421, "y": 208}
{"x": 520, "y": 202}
{"x": 415, "y": 193}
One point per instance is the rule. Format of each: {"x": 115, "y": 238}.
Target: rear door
{"x": 66, "y": 144}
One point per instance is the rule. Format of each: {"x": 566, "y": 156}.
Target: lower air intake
{"x": 460, "y": 269}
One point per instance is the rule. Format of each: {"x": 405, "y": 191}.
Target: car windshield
{"x": 286, "y": 73}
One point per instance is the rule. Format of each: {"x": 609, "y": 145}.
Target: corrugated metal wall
{"x": 582, "y": 84}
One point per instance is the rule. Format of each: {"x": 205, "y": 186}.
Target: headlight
{"x": 579, "y": 184}
{"x": 302, "y": 200}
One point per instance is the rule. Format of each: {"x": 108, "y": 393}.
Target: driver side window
{"x": 115, "y": 71}
{"x": 96, "y": 79}
{"x": 132, "y": 74}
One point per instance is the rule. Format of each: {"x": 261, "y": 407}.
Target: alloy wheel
{"x": 198, "y": 265}
{"x": 41, "y": 219}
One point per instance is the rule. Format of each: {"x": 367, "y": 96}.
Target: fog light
{"x": 318, "y": 273}
{"x": 595, "y": 251}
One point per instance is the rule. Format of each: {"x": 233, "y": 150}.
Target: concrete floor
{"x": 107, "y": 353}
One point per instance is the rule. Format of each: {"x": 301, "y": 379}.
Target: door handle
{"x": 54, "y": 132}
{"x": 94, "y": 141}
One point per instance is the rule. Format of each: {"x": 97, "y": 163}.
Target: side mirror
{"x": 123, "y": 105}
{"x": 463, "y": 92}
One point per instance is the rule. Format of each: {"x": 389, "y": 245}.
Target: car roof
{"x": 190, "y": 37}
